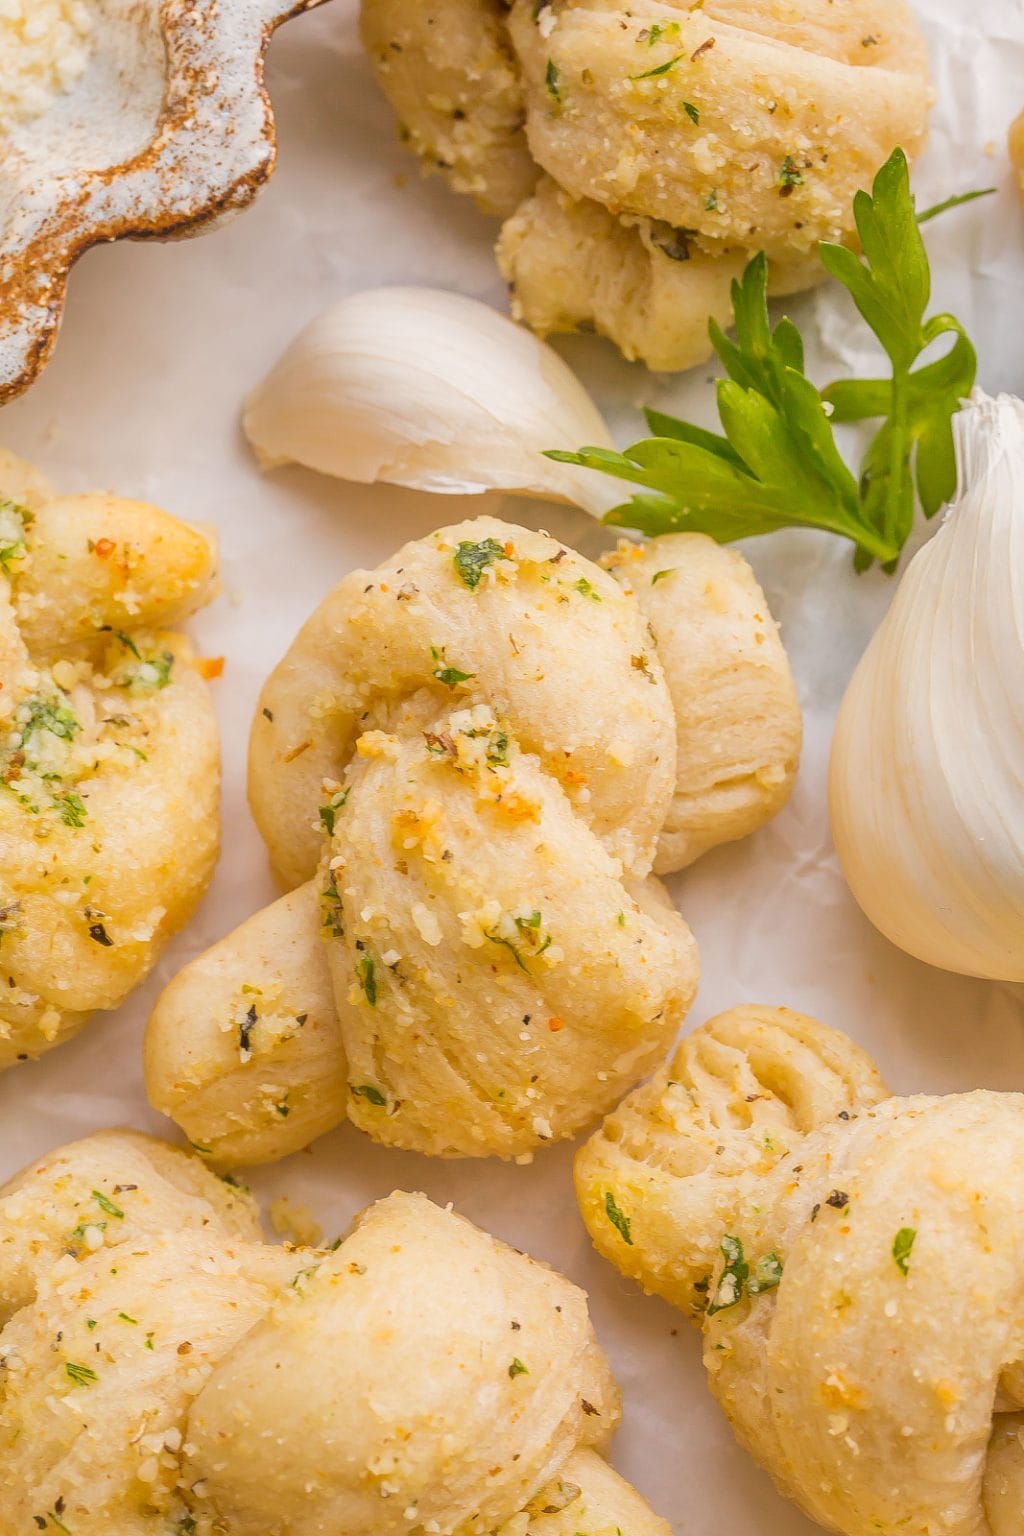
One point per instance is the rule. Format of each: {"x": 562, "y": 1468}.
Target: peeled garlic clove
{"x": 927, "y": 772}
{"x": 430, "y": 390}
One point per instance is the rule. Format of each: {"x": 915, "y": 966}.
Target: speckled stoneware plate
{"x": 168, "y": 130}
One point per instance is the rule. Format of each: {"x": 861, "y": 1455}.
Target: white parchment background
{"x": 160, "y": 344}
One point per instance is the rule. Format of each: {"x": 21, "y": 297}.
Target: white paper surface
{"x": 160, "y": 344}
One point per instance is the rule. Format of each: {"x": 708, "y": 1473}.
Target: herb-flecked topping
{"x": 551, "y": 80}
{"x": 471, "y": 560}
{"x": 81, "y": 1375}
{"x": 329, "y": 811}
{"x": 730, "y": 1287}
{"x": 618, "y": 1218}
{"x": 106, "y": 1204}
{"x": 366, "y": 971}
{"x": 902, "y": 1247}
{"x": 370, "y": 1093}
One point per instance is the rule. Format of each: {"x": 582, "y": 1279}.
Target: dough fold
{"x": 467, "y": 764}
{"x": 164, "y": 1369}
{"x": 852, "y": 1258}
{"x": 109, "y": 760}
{"x": 668, "y": 143}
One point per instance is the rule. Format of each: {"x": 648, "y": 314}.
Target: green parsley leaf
{"x": 766, "y": 1276}
{"x": 660, "y": 69}
{"x": 551, "y": 80}
{"x": 471, "y": 560}
{"x": 368, "y": 1091}
{"x": 517, "y": 1368}
{"x": 81, "y": 1375}
{"x": 790, "y": 175}
{"x": 54, "y": 715}
{"x": 586, "y": 589}
{"x": 777, "y": 464}
{"x": 692, "y": 112}
{"x": 618, "y": 1218}
{"x": 366, "y": 971}
{"x": 72, "y": 809}
{"x": 128, "y": 643}
{"x": 106, "y": 1204}
{"x": 451, "y": 676}
{"x": 733, "y": 1279}
{"x": 902, "y": 1247}
{"x": 153, "y": 674}
{"x": 329, "y": 812}
{"x": 14, "y": 519}
{"x": 332, "y": 916}
{"x": 497, "y": 749}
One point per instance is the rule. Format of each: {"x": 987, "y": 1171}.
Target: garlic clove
{"x": 431, "y": 390}
{"x": 927, "y": 770}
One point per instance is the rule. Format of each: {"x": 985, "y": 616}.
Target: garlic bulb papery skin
{"x": 430, "y": 390}
{"x": 927, "y": 771}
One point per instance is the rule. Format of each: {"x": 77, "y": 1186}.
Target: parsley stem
{"x": 899, "y": 446}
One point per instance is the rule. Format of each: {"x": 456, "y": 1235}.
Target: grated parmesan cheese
{"x": 44, "y": 49}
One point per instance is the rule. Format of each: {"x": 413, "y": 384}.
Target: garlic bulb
{"x": 431, "y": 390}
{"x": 927, "y": 773}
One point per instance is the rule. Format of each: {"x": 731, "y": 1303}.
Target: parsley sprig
{"x": 778, "y": 464}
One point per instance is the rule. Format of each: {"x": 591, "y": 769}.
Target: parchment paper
{"x": 160, "y": 344}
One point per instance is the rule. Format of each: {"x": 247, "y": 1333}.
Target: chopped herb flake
{"x": 150, "y": 675}
{"x": 729, "y": 1290}
{"x": 333, "y": 920}
{"x": 72, "y": 809}
{"x": 517, "y": 1368}
{"x": 81, "y": 1375}
{"x": 790, "y": 176}
{"x": 366, "y": 971}
{"x": 618, "y": 1218}
{"x": 54, "y": 715}
{"x": 451, "y": 676}
{"x": 106, "y": 1204}
{"x": 659, "y": 69}
{"x": 902, "y": 1247}
{"x": 329, "y": 812}
{"x": 551, "y": 80}
{"x": 471, "y": 560}
{"x": 766, "y": 1276}
{"x": 368, "y": 1091}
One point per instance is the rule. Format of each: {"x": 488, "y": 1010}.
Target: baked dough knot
{"x": 641, "y": 154}
{"x": 852, "y": 1258}
{"x": 479, "y": 750}
{"x": 109, "y": 762}
{"x": 162, "y": 1369}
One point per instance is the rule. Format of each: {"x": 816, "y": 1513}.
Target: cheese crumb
{"x": 44, "y": 49}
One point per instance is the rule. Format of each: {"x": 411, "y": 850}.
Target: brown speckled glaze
{"x": 169, "y": 130}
